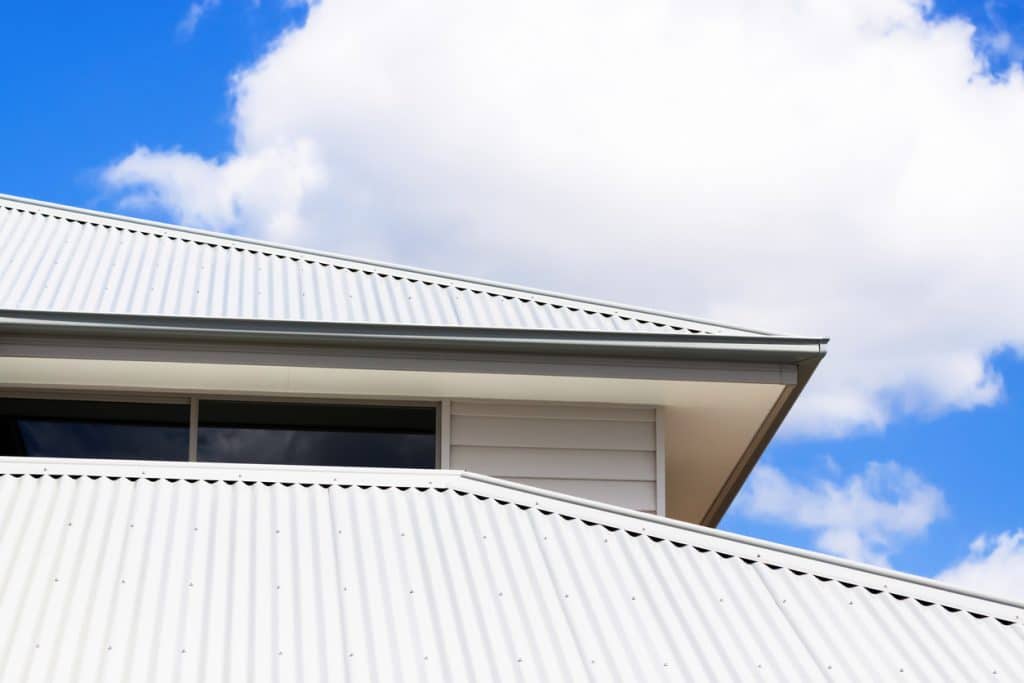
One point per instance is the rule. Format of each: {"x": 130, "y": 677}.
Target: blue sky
{"x": 85, "y": 87}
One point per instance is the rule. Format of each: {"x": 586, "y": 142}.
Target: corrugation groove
{"x": 112, "y": 578}
{"x": 55, "y": 263}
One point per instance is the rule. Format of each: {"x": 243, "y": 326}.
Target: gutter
{"x": 582, "y": 343}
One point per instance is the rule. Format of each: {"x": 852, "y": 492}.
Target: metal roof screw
{"x": 190, "y": 584}
{"x": 55, "y": 579}
{"x": 279, "y": 653}
{"x": 37, "y": 646}
{"x": 411, "y": 591}
{"x": 519, "y": 659}
{"x": 183, "y": 651}
{"x": 111, "y": 647}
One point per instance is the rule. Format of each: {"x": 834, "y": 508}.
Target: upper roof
{"x": 154, "y": 571}
{"x": 64, "y": 259}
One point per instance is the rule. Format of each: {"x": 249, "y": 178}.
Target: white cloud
{"x": 995, "y": 565}
{"x": 814, "y": 167}
{"x": 196, "y": 10}
{"x": 867, "y": 517}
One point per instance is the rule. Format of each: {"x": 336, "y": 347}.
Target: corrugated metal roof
{"x": 146, "y": 571}
{"x": 63, "y": 259}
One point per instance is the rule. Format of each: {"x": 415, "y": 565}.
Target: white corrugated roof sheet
{"x": 151, "y": 572}
{"x": 71, "y": 260}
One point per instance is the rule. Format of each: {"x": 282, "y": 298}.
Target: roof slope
{"x": 129, "y": 571}
{"x": 55, "y": 258}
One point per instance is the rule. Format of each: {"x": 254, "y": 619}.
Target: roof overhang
{"x": 724, "y": 397}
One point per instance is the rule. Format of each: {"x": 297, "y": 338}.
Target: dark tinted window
{"x": 93, "y": 429}
{"x": 316, "y": 434}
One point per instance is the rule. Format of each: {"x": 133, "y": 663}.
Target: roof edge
{"x": 396, "y": 269}
{"x": 746, "y": 348}
{"x": 897, "y": 584}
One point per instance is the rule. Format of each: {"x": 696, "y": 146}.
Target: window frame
{"x": 192, "y": 400}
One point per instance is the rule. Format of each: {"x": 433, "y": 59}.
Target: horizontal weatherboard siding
{"x": 560, "y": 463}
{"x": 598, "y": 452}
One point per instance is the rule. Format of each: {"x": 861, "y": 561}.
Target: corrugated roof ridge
{"x": 900, "y": 586}
{"x": 656, "y": 319}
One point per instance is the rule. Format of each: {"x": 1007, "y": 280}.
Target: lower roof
{"x": 122, "y": 570}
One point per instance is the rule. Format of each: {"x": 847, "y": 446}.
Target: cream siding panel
{"x": 552, "y": 433}
{"x": 538, "y": 462}
{"x": 598, "y": 452}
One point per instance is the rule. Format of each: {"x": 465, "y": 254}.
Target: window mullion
{"x": 193, "y": 429}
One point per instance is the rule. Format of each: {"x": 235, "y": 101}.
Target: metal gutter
{"x": 646, "y": 344}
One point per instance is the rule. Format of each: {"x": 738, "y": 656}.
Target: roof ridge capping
{"x": 769, "y": 555}
{"x": 225, "y": 240}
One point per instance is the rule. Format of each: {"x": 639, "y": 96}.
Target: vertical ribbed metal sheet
{"x": 54, "y": 259}
{"x": 118, "y": 572}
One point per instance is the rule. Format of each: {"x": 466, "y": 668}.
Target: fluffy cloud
{"x": 866, "y": 517}
{"x": 995, "y": 565}
{"x": 848, "y": 169}
{"x": 196, "y": 10}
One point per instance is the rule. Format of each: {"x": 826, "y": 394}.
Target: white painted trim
{"x": 193, "y": 430}
{"x": 659, "y": 460}
{"x": 445, "y": 434}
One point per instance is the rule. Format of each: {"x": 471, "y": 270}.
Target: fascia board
{"x": 769, "y": 349}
